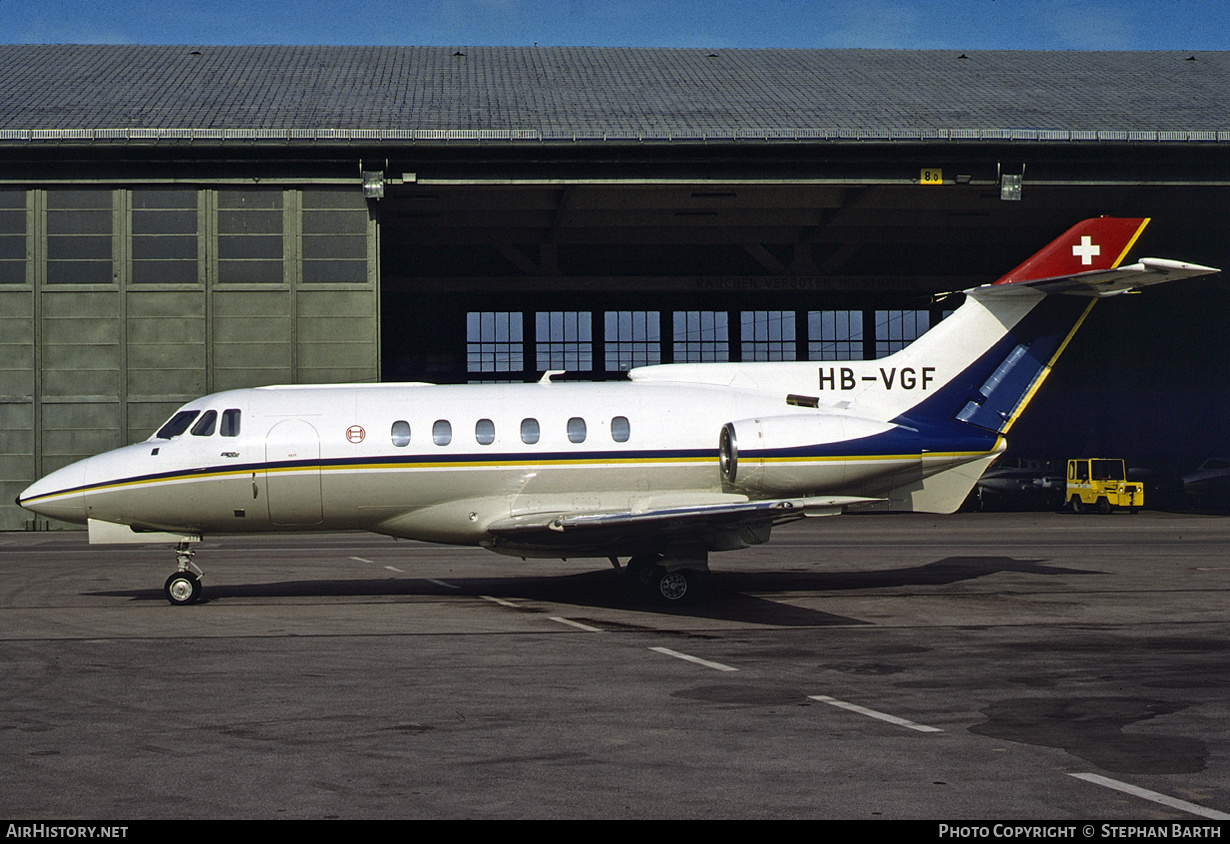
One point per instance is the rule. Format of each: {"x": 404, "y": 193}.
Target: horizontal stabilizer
{"x": 1110, "y": 282}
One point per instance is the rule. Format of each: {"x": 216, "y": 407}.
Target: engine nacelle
{"x": 813, "y": 453}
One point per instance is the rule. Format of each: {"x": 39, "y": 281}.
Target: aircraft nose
{"x": 60, "y": 495}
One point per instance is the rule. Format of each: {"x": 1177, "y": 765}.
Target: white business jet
{"x": 675, "y": 462}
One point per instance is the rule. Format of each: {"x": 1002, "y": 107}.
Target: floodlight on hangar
{"x": 373, "y": 184}
{"x": 1010, "y": 184}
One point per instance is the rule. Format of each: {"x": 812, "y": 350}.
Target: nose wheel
{"x": 184, "y": 587}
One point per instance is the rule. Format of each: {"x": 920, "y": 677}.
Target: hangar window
{"x": 164, "y": 236}
{"x": 767, "y": 335}
{"x": 204, "y": 426}
{"x": 484, "y": 432}
{"x": 897, "y": 329}
{"x": 529, "y": 431}
{"x": 620, "y": 429}
{"x": 250, "y": 236}
{"x": 633, "y": 338}
{"x": 576, "y": 430}
{"x": 177, "y": 424}
{"x": 834, "y": 335}
{"x": 700, "y": 336}
{"x": 230, "y": 423}
{"x": 79, "y": 224}
{"x": 494, "y": 342}
{"x": 564, "y": 340}
{"x": 12, "y": 236}
{"x": 334, "y": 235}
{"x": 400, "y": 433}
{"x": 442, "y": 432}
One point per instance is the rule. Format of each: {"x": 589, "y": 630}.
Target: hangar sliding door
{"x": 121, "y": 303}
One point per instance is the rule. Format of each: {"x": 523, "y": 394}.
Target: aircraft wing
{"x": 1109, "y": 282}
{"x": 632, "y": 529}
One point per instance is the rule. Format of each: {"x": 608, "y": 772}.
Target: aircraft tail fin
{"x": 1016, "y": 331}
{"x": 1086, "y": 261}
{"x": 1099, "y": 243}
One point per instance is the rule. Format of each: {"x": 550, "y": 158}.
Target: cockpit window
{"x": 177, "y": 424}
{"x": 204, "y": 426}
{"x": 230, "y": 422}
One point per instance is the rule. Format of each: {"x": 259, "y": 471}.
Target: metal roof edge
{"x": 561, "y": 133}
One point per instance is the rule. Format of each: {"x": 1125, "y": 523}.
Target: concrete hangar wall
{"x": 180, "y": 220}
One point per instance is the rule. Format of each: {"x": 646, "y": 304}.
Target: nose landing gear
{"x": 184, "y": 587}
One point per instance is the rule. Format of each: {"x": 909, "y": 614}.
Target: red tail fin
{"x": 1097, "y": 244}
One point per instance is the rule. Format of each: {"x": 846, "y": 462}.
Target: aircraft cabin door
{"x": 292, "y": 474}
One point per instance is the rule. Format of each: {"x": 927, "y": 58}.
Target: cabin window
{"x": 177, "y": 424}
{"x": 576, "y": 430}
{"x": 442, "y": 432}
{"x": 400, "y": 433}
{"x": 230, "y": 422}
{"x": 204, "y": 426}
{"x": 620, "y": 429}
{"x": 484, "y": 432}
{"x": 529, "y": 431}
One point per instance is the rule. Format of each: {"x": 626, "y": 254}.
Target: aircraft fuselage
{"x": 441, "y": 463}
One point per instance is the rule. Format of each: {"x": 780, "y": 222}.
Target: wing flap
{"x": 719, "y": 514}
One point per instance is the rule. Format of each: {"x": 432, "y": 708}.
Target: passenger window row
{"x": 484, "y": 431}
{"x": 205, "y": 426}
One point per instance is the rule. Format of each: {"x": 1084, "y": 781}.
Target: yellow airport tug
{"x": 1102, "y": 485}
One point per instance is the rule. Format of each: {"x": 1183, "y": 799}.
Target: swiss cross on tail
{"x": 1087, "y": 260}
{"x": 1098, "y": 244}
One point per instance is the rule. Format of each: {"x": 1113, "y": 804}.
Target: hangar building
{"x": 176, "y": 220}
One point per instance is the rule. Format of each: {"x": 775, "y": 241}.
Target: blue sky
{"x": 910, "y": 24}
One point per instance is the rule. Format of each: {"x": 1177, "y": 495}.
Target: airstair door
{"x": 292, "y": 474}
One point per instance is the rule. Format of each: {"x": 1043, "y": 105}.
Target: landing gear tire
{"x": 671, "y": 587}
{"x": 646, "y": 577}
{"x": 681, "y": 586}
{"x": 638, "y": 573}
{"x": 183, "y": 588}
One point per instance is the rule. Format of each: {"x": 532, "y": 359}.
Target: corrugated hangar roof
{"x": 433, "y": 94}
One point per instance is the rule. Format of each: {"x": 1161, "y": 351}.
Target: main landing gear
{"x": 670, "y": 579}
{"x": 184, "y": 587}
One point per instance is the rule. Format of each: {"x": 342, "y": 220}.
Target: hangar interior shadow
{"x": 1139, "y": 381}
